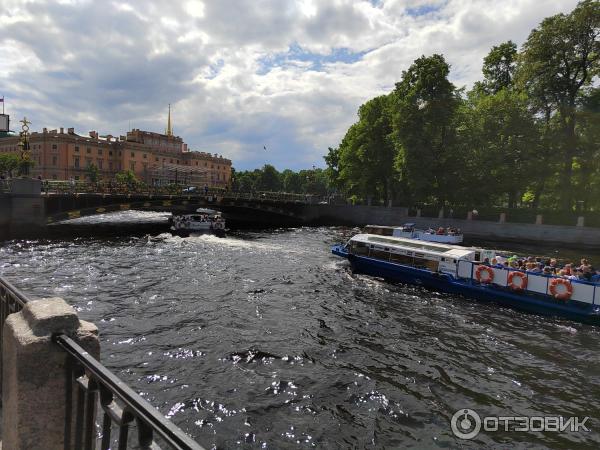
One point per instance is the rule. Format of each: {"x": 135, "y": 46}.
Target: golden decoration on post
{"x": 24, "y": 145}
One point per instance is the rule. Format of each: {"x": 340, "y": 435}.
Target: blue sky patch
{"x": 423, "y": 10}
{"x": 315, "y": 61}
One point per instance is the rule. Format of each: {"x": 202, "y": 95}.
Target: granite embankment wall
{"x": 474, "y": 229}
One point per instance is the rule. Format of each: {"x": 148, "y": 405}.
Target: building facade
{"x": 156, "y": 159}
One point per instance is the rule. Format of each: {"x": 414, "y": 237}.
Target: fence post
{"x": 580, "y": 221}
{"x": 502, "y": 217}
{"x": 34, "y": 375}
{"x": 539, "y": 219}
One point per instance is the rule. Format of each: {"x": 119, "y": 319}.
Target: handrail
{"x": 148, "y": 419}
{"x": 88, "y": 377}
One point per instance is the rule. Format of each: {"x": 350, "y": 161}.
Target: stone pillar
{"x": 470, "y": 215}
{"x": 539, "y": 219}
{"x": 580, "y": 221}
{"x": 502, "y": 218}
{"x": 34, "y": 374}
{"x": 419, "y": 212}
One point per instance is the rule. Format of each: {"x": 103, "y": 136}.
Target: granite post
{"x": 34, "y": 373}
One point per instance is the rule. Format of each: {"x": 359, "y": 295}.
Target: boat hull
{"x": 545, "y": 305}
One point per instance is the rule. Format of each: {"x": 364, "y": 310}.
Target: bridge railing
{"x": 79, "y": 187}
{"x": 97, "y": 389}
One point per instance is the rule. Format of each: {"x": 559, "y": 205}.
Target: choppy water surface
{"x": 266, "y": 340}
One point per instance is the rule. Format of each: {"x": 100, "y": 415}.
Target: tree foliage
{"x": 526, "y": 134}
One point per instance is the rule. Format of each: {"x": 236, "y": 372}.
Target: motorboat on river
{"x": 467, "y": 271}
{"x": 203, "y": 221}
{"x": 443, "y": 235}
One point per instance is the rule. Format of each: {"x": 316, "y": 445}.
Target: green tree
{"x": 559, "y": 59}
{"x": 92, "y": 173}
{"x": 425, "y": 106}
{"x": 499, "y": 67}
{"x": 9, "y": 163}
{"x": 364, "y": 162}
{"x": 269, "y": 179}
{"x": 127, "y": 178}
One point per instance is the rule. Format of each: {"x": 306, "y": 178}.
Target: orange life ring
{"x": 517, "y": 285}
{"x": 566, "y": 295}
{"x": 490, "y": 274}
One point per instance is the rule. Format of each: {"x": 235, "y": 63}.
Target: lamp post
{"x": 24, "y": 146}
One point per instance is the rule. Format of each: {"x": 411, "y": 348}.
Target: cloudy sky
{"x": 240, "y": 74}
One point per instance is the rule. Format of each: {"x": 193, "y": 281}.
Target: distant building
{"x": 156, "y": 159}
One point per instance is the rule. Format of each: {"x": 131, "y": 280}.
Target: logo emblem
{"x": 466, "y": 424}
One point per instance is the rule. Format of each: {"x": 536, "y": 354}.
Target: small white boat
{"x": 202, "y": 221}
{"x": 442, "y": 235}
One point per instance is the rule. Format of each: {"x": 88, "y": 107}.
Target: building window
{"x": 100, "y": 152}
{"x": 76, "y": 177}
{"x": 196, "y": 162}
{"x": 89, "y": 150}
{"x": 205, "y": 164}
{"x": 54, "y": 160}
{"x": 133, "y": 154}
{"x": 99, "y": 164}
{"x": 88, "y": 162}
{"x": 77, "y": 148}
{"x": 156, "y": 159}
{"x": 144, "y": 156}
{"x": 110, "y": 166}
{"x": 171, "y": 160}
{"x": 54, "y": 146}
{"x": 177, "y": 161}
{"x": 110, "y": 152}
{"x": 76, "y": 163}
{"x": 132, "y": 165}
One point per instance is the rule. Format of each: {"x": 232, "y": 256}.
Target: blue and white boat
{"x": 408, "y": 230}
{"x": 459, "y": 270}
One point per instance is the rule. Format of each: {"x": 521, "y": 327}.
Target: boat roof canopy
{"x": 452, "y": 251}
{"x": 206, "y": 211}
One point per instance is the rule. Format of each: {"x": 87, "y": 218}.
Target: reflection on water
{"x": 264, "y": 339}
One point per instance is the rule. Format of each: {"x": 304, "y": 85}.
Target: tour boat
{"x": 443, "y": 235}
{"x": 458, "y": 270}
{"x": 203, "y": 221}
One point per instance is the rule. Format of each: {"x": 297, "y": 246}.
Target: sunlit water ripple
{"x": 266, "y": 340}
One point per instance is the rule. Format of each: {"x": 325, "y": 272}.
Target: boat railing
{"x": 583, "y": 291}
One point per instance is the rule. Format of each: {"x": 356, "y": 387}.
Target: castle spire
{"x": 169, "y": 131}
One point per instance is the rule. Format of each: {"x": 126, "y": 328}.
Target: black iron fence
{"x": 93, "y": 390}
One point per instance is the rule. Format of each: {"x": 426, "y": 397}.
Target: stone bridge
{"x": 26, "y": 209}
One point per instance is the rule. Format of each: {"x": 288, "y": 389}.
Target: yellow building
{"x": 155, "y": 158}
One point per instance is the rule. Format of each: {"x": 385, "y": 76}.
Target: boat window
{"x": 380, "y": 254}
{"x": 359, "y": 248}
{"x": 401, "y": 259}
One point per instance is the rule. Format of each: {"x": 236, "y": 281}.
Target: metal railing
{"x": 50, "y": 187}
{"x": 12, "y": 300}
{"x": 92, "y": 389}
{"x": 92, "y": 382}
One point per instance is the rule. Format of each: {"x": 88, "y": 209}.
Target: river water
{"x": 263, "y": 339}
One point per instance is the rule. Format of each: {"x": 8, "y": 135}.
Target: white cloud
{"x": 225, "y": 68}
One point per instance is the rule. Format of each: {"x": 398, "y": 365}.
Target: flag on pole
{"x": 265, "y": 147}
{"x": 2, "y": 100}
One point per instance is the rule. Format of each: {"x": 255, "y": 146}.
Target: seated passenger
{"x": 547, "y": 271}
